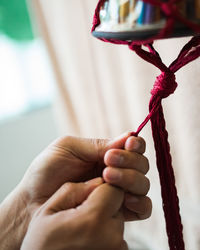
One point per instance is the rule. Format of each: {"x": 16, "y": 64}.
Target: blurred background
{"x": 57, "y": 79}
{"x": 27, "y": 91}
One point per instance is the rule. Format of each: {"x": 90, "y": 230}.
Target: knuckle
{"x": 148, "y": 209}
{"x": 143, "y": 164}
{"x": 99, "y": 145}
{"x": 146, "y": 164}
{"x": 68, "y": 186}
{"x": 64, "y": 138}
{"x": 62, "y": 144}
{"x": 140, "y": 184}
{"x": 147, "y": 185}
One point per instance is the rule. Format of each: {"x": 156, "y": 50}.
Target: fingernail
{"x": 132, "y": 144}
{"x": 116, "y": 159}
{"x": 132, "y": 199}
{"x": 113, "y": 174}
{"x": 136, "y": 145}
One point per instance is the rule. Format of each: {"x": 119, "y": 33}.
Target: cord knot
{"x": 164, "y": 85}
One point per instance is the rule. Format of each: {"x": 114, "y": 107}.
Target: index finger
{"x": 105, "y": 200}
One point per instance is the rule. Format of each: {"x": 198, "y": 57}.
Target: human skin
{"x": 72, "y": 159}
{"x": 78, "y": 217}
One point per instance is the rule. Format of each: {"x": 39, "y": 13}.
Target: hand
{"x": 78, "y": 217}
{"x": 72, "y": 159}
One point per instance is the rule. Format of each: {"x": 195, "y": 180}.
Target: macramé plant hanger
{"x": 137, "y": 23}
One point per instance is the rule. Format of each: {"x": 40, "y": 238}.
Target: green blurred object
{"x": 15, "y": 20}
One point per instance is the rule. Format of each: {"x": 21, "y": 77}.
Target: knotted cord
{"x": 164, "y": 86}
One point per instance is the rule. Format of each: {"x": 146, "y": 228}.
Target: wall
{"x": 21, "y": 139}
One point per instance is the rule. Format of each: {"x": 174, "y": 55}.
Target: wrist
{"x": 14, "y": 219}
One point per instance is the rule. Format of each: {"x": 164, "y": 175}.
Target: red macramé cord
{"x": 164, "y": 85}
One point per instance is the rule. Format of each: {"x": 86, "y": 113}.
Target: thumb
{"x": 105, "y": 200}
{"x": 71, "y": 195}
{"x": 119, "y": 141}
{"x": 90, "y": 150}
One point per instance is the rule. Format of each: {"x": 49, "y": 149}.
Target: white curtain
{"x": 104, "y": 90}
